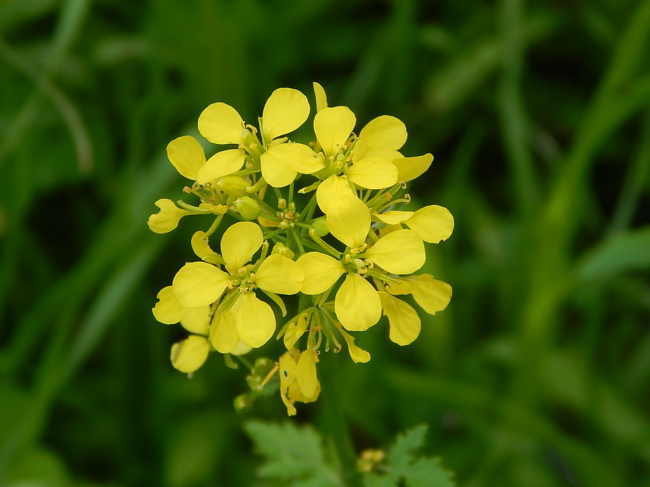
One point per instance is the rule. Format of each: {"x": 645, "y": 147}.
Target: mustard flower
{"x": 201, "y": 283}
{"x": 280, "y": 161}
{"x": 298, "y": 378}
{"x": 351, "y": 247}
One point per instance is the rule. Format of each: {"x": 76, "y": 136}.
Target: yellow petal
{"x": 332, "y": 127}
{"x": 332, "y": 188}
{"x": 200, "y": 245}
{"x": 409, "y": 168}
{"x": 284, "y": 111}
{"x": 199, "y": 284}
{"x": 197, "y": 320}
{"x": 306, "y": 373}
{"x": 223, "y": 332}
{"x": 168, "y": 309}
{"x": 432, "y": 295}
{"x": 321, "y": 97}
{"x": 295, "y": 330}
{"x": 279, "y": 274}
{"x": 281, "y": 163}
{"x": 361, "y": 151}
{"x": 383, "y": 231}
{"x": 276, "y": 170}
{"x": 221, "y": 164}
{"x": 432, "y": 223}
{"x": 287, "y": 366}
{"x": 399, "y": 252}
{"x": 384, "y": 133}
{"x": 359, "y": 355}
{"x": 238, "y": 244}
{"x": 348, "y": 219}
{"x": 403, "y": 319}
{"x": 393, "y": 217}
{"x": 266, "y": 223}
{"x": 255, "y": 321}
{"x": 222, "y": 124}
{"x": 372, "y": 173}
{"x": 189, "y": 354}
{"x": 401, "y": 286}
{"x": 186, "y": 155}
{"x": 321, "y": 272}
{"x": 167, "y": 218}
{"x": 301, "y": 157}
{"x": 357, "y": 304}
{"x": 242, "y": 349}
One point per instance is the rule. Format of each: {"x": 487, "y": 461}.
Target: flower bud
{"x": 320, "y": 226}
{"x": 233, "y": 185}
{"x": 283, "y": 250}
{"x": 243, "y": 402}
{"x": 247, "y": 207}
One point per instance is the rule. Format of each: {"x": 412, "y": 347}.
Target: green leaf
{"x": 373, "y": 480}
{"x": 294, "y": 455}
{"x": 622, "y": 253}
{"x": 427, "y": 472}
{"x": 404, "y": 468}
{"x": 402, "y": 453}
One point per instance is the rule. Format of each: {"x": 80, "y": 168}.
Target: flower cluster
{"x": 316, "y": 220}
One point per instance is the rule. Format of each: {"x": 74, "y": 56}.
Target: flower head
{"x": 201, "y": 284}
{"x": 323, "y": 217}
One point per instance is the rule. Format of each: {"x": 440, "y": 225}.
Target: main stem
{"x": 335, "y": 427}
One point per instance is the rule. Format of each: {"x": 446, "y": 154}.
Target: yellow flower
{"x": 409, "y": 168}
{"x": 357, "y": 303}
{"x": 431, "y": 294}
{"x": 167, "y": 218}
{"x": 284, "y": 111}
{"x": 357, "y": 354}
{"x": 298, "y": 378}
{"x": 168, "y": 310}
{"x": 399, "y": 252}
{"x": 333, "y": 126}
{"x": 432, "y": 223}
{"x": 186, "y": 155}
{"x": 190, "y": 354}
{"x": 383, "y": 137}
{"x": 403, "y": 320}
{"x": 200, "y": 283}
{"x": 281, "y": 163}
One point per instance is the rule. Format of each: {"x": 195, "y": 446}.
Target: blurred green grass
{"x": 538, "y": 114}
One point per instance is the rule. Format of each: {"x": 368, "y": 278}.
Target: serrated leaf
{"x": 619, "y": 254}
{"x": 374, "y": 480}
{"x": 402, "y": 452}
{"x": 404, "y": 468}
{"x": 427, "y": 472}
{"x": 293, "y": 454}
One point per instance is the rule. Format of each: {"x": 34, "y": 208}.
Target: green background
{"x": 538, "y": 115}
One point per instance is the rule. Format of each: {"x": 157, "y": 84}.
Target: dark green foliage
{"x": 294, "y": 455}
{"x": 403, "y": 467}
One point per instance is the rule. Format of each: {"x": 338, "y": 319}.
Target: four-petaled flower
{"x": 240, "y": 314}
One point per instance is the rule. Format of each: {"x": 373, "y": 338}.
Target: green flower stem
{"x": 193, "y": 209}
{"x": 324, "y": 244}
{"x": 256, "y": 187}
{"x": 335, "y": 427}
{"x": 214, "y": 226}
{"x": 245, "y": 362}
